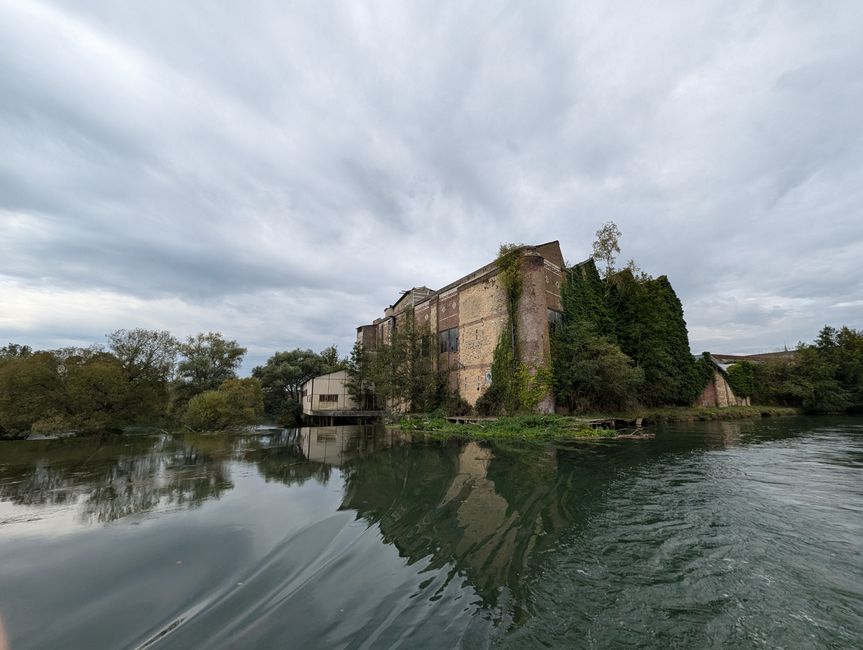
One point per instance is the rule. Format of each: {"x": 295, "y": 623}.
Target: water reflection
{"x": 479, "y": 513}
{"x": 114, "y": 477}
{"x": 334, "y": 534}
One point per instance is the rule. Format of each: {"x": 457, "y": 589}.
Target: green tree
{"x": 607, "y": 246}
{"x": 148, "y": 359}
{"x": 652, "y": 331}
{"x": 402, "y": 372}
{"x": 331, "y": 361}
{"x": 13, "y": 351}
{"x": 30, "y": 391}
{"x": 208, "y": 360}
{"x": 282, "y": 378}
{"x": 145, "y": 355}
{"x": 360, "y": 383}
{"x": 96, "y": 393}
{"x": 236, "y": 403}
{"x": 592, "y": 373}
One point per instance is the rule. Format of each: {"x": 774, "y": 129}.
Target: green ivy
{"x": 514, "y": 388}
{"x": 741, "y": 378}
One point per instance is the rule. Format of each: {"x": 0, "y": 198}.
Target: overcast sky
{"x": 279, "y": 171}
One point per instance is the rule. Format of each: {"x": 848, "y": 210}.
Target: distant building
{"x": 718, "y": 391}
{"x": 468, "y": 316}
{"x": 327, "y": 398}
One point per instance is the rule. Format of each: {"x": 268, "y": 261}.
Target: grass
{"x": 694, "y": 413}
{"x": 560, "y": 427}
{"x": 523, "y": 427}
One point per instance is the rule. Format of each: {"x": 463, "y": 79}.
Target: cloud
{"x": 281, "y": 171}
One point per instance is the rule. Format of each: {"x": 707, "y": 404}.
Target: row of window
{"x": 328, "y": 398}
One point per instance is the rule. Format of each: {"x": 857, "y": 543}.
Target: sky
{"x": 279, "y": 171}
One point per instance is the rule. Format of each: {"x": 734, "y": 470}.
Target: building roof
{"x": 549, "y": 251}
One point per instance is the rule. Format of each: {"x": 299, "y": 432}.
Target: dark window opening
{"x": 328, "y": 398}
{"x": 555, "y": 320}
{"x": 448, "y": 340}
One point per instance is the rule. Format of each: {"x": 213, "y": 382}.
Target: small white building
{"x": 328, "y": 395}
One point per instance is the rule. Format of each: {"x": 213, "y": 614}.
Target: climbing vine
{"x": 741, "y": 378}
{"x": 514, "y": 387}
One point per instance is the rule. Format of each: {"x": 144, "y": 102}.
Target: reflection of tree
{"x": 114, "y": 477}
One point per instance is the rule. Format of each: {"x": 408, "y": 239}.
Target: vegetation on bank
{"x": 825, "y": 376}
{"x": 693, "y": 413}
{"x": 523, "y": 427}
{"x": 561, "y": 427}
{"x": 148, "y": 378}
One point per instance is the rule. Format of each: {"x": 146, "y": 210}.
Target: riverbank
{"x": 701, "y": 413}
{"x": 523, "y": 427}
{"x": 560, "y": 427}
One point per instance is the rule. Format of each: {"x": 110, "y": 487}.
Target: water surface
{"x": 737, "y": 535}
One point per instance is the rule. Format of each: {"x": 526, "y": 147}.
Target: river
{"x": 742, "y": 534}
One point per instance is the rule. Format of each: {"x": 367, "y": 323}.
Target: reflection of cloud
{"x": 104, "y": 480}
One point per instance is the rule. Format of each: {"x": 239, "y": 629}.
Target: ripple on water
{"x": 746, "y": 547}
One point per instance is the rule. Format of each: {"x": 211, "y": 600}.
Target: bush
{"x": 457, "y": 405}
{"x": 236, "y": 403}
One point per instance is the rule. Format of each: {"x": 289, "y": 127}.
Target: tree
{"x": 236, "y": 403}
{"x": 330, "y": 359}
{"x": 282, "y": 378}
{"x": 360, "y": 383}
{"x": 208, "y": 360}
{"x": 13, "y": 351}
{"x": 148, "y": 359}
{"x": 652, "y": 331}
{"x": 591, "y": 373}
{"x": 30, "y": 391}
{"x": 607, "y": 246}
{"x": 96, "y": 395}
{"x": 145, "y": 355}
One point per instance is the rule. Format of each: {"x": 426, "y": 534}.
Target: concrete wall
{"x": 718, "y": 393}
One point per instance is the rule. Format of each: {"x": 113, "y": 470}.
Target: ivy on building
{"x": 741, "y": 378}
{"x": 515, "y": 388}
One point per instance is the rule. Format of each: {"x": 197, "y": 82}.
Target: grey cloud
{"x": 282, "y": 171}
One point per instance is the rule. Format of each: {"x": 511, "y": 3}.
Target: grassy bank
{"x": 524, "y": 427}
{"x": 694, "y": 413}
{"x": 559, "y": 427}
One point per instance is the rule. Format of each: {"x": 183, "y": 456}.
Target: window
{"x": 555, "y": 319}
{"x": 328, "y": 398}
{"x": 448, "y": 340}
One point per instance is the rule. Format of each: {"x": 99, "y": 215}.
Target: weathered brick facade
{"x": 475, "y": 308}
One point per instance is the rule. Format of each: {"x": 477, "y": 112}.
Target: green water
{"x": 733, "y": 535}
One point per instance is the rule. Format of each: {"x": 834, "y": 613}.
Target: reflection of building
{"x": 327, "y": 396}
{"x": 335, "y": 445}
{"x": 466, "y": 505}
{"x": 469, "y": 315}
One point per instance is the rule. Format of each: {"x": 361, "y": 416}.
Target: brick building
{"x": 469, "y": 314}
